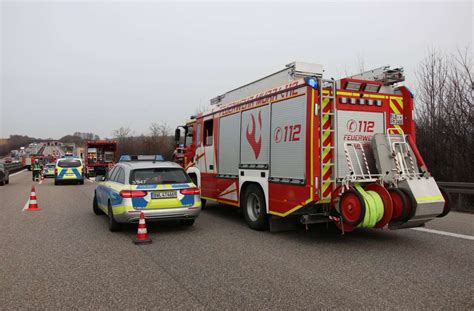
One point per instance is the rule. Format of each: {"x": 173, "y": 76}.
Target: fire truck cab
{"x": 296, "y": 147}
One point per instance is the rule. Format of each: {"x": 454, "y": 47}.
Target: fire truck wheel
{"x": 254, "y": 208}
{"x": 411, "y": 204}
{"x": 447, "y": 207}
{"x": 399, "y": 204}
{"x": 352, "y": 207}
{"x": 203, "y": 204}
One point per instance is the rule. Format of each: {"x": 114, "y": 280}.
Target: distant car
{"x": 4, "y": 175}
{"x": 69, "y": 170}
{"x": 48, "y": 170}
{"x": 162, "y": 190}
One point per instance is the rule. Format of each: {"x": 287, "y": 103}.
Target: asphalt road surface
{"x": 65, "y": 257}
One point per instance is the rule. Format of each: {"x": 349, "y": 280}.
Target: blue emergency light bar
{"x": 312, "y": 82}
{"x": 129, "y": 158}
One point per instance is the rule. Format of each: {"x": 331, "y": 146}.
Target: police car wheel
{"x": 113, "y": 225}
{"x": 255, "y": 208}
{"x": 2, "y": 183}
{"x": 95, "y": 207}
{"x": 187, "y": 222}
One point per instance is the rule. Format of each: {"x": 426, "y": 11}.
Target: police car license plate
{"x": 163, "y": 194}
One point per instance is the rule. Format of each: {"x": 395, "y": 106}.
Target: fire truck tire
{"x": 113, "y": 225}
{"x": 411, "y": 203}
{"x": 255, "y": 208}
{"x": 447, "y": 207}
{"x": 203, "y": 203}
{"x": 399, "y": 204}
{"x": 352, "y": 207}
{"x": 95, "y": 207}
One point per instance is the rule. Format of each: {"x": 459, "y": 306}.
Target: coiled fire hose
{"x": 374, "y": 208}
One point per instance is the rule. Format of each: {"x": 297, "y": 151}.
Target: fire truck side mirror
{"x": 177, "y": 135}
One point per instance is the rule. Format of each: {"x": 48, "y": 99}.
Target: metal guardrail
{"x": 457, "y": 187}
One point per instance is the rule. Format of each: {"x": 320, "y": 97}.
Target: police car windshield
{"x": 69, "y": 163}
{"x": 158, "y": 176}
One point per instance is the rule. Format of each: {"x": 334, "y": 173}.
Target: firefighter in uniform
{"x": 36, "y": 169}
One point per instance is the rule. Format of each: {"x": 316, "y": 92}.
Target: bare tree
{"x": 122, "y": 132}
{"x": 444, "y": 114}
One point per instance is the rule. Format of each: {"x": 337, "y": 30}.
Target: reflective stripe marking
{"x": 434, "y": 198}
{"x": 394, "y": 108}
{"x": 33, "y": 201}
{"x": 454, "y": 235}
{"x": 22, "y": 171}
{"x": 142, "y": 230}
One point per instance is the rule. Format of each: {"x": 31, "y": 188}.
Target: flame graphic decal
{"x": 251, "y": 135}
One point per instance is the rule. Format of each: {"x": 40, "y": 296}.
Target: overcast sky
{"x": 95, "y": 66}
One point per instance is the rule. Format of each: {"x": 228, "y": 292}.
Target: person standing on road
{"x": 36, "y": 169}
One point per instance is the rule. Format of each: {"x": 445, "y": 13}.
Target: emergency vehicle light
{"x": 312, "y": 82}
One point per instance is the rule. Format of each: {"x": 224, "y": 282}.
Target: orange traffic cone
{"x": 142, "y": 235}
{"x": 32, "y": 203}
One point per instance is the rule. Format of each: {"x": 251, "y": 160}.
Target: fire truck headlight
{"x": 312, "y": 82}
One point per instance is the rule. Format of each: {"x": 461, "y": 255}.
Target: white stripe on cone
{"x": 32, "y": 201}
{"x": 142, "y": 231}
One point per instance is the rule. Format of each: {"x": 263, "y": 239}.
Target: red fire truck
{"x": 99, "y": 156}
{"x": 296, "y": 147}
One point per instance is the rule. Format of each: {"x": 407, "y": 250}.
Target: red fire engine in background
{"x": 296, "y": 147}
{"x": 99, "y": 155}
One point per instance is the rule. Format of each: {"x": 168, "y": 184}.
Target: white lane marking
{"x": 22, "y": 171}
{"x": 454, "y": 235}
{"x": 40, "y": 182}
{"x": 91, "y": 180}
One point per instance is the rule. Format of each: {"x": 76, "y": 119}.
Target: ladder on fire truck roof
{"x": 327, "y": 138}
